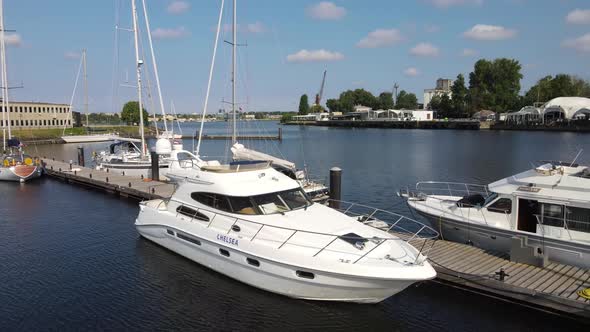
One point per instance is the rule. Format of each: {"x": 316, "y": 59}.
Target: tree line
{"x": 492, "y": 85}
{"x": 350, "y": 98}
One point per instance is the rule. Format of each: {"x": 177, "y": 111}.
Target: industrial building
{"x": 443, "y": 87}
{"x": 35, "y": 115}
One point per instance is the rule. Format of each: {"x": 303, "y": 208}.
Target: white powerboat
{"x": 545, "y": 210}
{"x": 256, "y": 225}
{"x": 313, "y": 188}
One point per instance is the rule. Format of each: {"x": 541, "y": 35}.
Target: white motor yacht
{"x": 546, "y": 208}
{"x": 256, "y": 225}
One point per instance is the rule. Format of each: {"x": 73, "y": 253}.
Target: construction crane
{"x": 318, "y": 97}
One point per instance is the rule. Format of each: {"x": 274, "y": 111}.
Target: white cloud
{"x": 380, "y": 38}
{"x": 72, "y": 55}
{"x": 489, "y": 32}
{"x": 411, "y": 72}
{"x": 314, "y": 56}
{"x": 450, "y": 3}
{"x": 170, "y": 33}
{"x": 424, "y": 49}
{"x": 178, "y": 7}
{"x": 578, "y": 16}
{"x": 256, "y": 27}
{"x": 580, "y": 44}
{"x": 326, "y": 10}
{"x": 13, "y": 39}
{"x": 469, "y": 52}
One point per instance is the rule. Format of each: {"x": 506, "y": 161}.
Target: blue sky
{"x": 363, "y": 44}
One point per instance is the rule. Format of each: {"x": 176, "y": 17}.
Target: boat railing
{"x": 398, "y": 228}
{"x": 566, "y": 224}
{"x": 430, "y": 188}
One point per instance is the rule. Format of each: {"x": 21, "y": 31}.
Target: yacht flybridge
{"x": 254, "y": 224}
{"x": 549, "y": 206}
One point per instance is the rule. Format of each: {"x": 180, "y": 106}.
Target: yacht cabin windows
{"x": 503, "y": 205}
{"x": 278, "y": 202}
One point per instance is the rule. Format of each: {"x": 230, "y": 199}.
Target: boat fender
{"x": 6, "y": 163}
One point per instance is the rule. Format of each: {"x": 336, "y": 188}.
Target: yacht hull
{"x": 19, "y": 173}
{"x": 497, "y": 239}
{"x": 88, "y": 138}
{"x": 274, "y": 276}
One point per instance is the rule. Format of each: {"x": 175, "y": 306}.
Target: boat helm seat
{"x": 471, "y": 200}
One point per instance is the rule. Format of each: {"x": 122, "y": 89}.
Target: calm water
{"x": 70, "y": 258}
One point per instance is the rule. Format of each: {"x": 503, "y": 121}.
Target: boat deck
{"x": 552, "y": 288}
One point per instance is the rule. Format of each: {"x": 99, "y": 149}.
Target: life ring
{"x": 28, "y": 161}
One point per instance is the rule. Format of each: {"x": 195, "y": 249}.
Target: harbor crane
{"x": 318, "y": 97}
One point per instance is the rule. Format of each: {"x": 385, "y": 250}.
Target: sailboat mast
{"x": 233, "y": 75}
{"x": 85, "y": 87}
{"x": 5, "y": 105}
{"x": 155, "y": 64}
{"x": 139, "y": 62}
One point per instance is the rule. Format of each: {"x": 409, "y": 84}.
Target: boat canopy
{"x": 242, "y": 153}
{"x": 13, "y": 142}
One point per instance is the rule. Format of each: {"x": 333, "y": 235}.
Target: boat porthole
{"x": 224, "y": 252}
{"x": 171, "y": 232}
{"x": 253, "y": 261}
{"x": 305, "y": 274}
{"x": 236, "y": 228}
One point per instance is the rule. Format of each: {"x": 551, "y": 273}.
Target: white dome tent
{"x": 567, "y": 108}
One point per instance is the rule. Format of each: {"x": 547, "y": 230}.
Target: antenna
{"x": 394, "y": 92}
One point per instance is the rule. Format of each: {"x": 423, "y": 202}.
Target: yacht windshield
{"x": 490, "y": 198}
{"x": 281, "y": 201}
{"x": 277, "y": 202}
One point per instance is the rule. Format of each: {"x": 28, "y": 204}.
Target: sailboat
{"x": 16, "y": 165}
{"x": 85, "y": 138}
{"x": 125, "y": 156}
{"x": 254, "y": 224}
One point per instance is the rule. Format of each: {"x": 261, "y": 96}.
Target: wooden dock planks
{"x": 552, "y": 287}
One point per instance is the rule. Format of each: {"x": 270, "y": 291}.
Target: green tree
{"x": 435, "y": 103}
{"x": 550, "y": 87}
{"x": 406, "y": 100}
{"x": 303, "y": 105}
{"x": 334, "y": 105}
{"x": 446, "y": 107}
{"x": 316, "y": 109}
{"x": 130, "y": 113}
{"x": 385, "y": 101}
{"x": 495, "y": 85}
{"x": 259, "y": 115}
{"x": 459, "y": 96}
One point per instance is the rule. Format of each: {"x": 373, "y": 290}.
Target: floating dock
{"x": 554, "y": 288}
{"x": 110, "y": 182}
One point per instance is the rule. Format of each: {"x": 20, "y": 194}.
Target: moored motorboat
{"x": 256, "y": 225}
{"x": 545, "y": 210}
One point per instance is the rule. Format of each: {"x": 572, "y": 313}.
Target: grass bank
{"x": 56, "y": 133}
